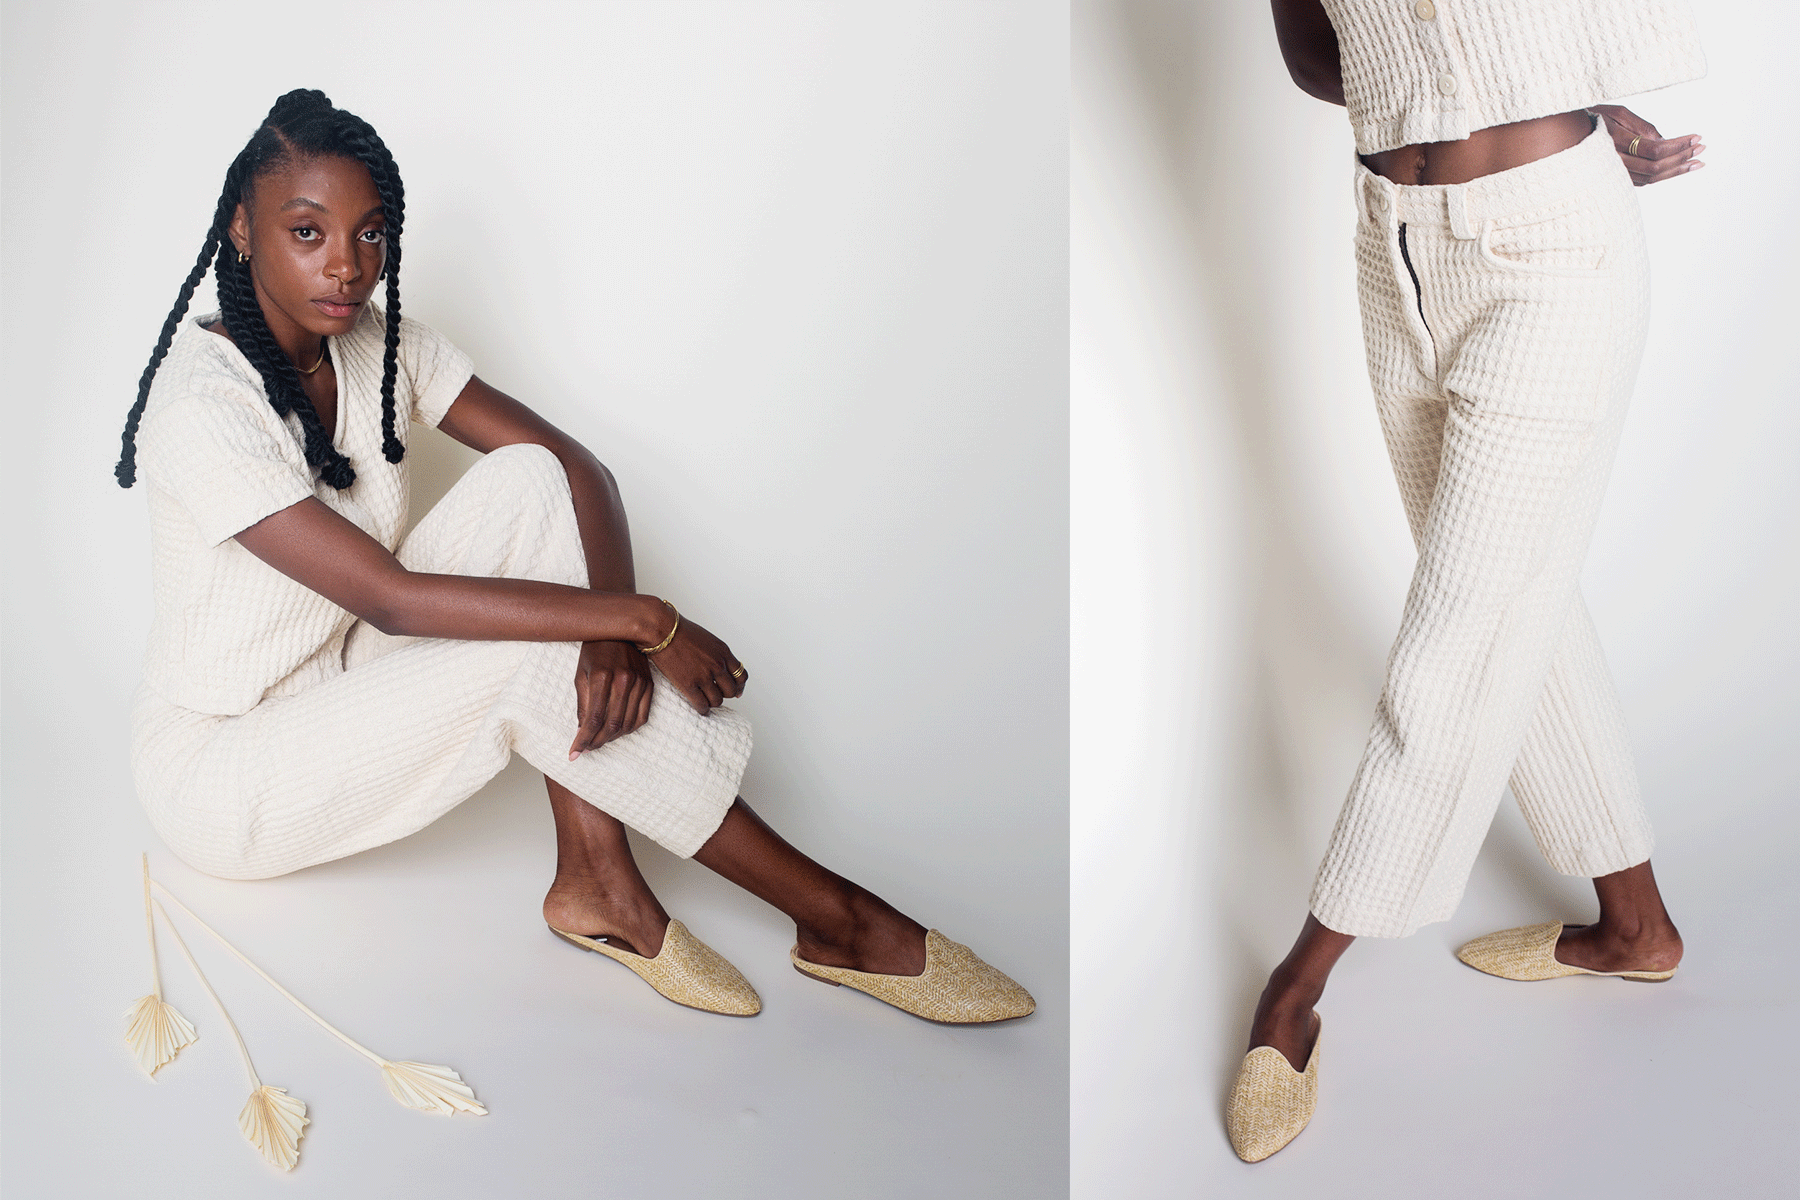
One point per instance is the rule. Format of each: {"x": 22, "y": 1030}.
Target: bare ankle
{"x": 861, "y": 931}
{"x": 595, "y": 909}
{"x": 834, "y": 919}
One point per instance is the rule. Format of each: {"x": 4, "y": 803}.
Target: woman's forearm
{"x": 319, "y": 548}
{"x": 474, "y": 608}
{"x": 1309, "y": 46}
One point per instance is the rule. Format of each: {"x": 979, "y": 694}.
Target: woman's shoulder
{"x": 207, "y": 413}
{"x": 202, "y": 371}
{"x": 431, "y": 367}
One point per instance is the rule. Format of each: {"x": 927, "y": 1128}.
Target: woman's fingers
{"x": 635, "y": 711}
{"x": 1656, "y": 161}
{"x": 643, "y": 706}
{"x": 612, "y": 694}
{"x": 598, "y": 718}
{"x": 583, "y": 704}
{"x": 1624, "y": 125}
{"x": 1648, "y": 156}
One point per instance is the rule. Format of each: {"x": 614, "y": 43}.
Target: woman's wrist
{"x": 656, "y": 623}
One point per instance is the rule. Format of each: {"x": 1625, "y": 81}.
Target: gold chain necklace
{"x": 321, "y": 361}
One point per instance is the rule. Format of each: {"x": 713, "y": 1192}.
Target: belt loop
{"x": 1456, "y": 199}
{"x": 1361, "y": 187}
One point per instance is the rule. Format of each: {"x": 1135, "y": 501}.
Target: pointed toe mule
{"x": 686, "y": 970}
{"x": 1270, "y": 1102}
{"x": 1528, "y": 954}
{"x": 956, "y": 987}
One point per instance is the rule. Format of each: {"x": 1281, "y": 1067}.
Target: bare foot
{"x": 629, "y": 920}
{"x": 868, "y": 934}
{"x": 1597, "y": 948}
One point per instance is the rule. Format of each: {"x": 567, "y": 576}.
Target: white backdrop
{"x": 796, "y": 272}
{"x": 1240, "y": 559}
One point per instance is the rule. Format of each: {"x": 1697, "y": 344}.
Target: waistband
{"x": 1462, "y": 208}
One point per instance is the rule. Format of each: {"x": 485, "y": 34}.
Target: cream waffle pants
{"x": 1504, "y": 319}
{"x": 414, "y": 726}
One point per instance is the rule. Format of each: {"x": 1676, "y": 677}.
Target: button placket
{"x": 1439, "y": 63}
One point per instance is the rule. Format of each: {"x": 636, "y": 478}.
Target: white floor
{"x": 1438, "y": 1081}
{"x": 430, "y": 949}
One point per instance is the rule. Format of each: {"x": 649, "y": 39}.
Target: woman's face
{"x": 317, "y": 241}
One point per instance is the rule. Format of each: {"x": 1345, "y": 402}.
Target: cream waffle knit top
{"x": 228, "y": 628}
{"x": 1437, "y": 70}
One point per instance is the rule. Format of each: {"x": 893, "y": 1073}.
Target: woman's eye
{"x": 374, "y": 235}
{"x": 306, "y": 233}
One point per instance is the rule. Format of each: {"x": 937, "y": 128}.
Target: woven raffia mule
{"x": 1528, "y": 954}
{"x": 686, "y": 970}
{"x": 1270, "y": 1102}
{"x": 956, "y": 987}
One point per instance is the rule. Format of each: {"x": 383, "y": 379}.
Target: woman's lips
{"x": 337, "y": 308}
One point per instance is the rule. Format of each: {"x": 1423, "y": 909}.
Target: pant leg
{"x": 1501, "y": 392}
{"x": 414, "y": 726}
{"x": 1574, "y": 779}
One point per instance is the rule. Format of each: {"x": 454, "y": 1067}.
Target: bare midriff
{"x": 1496, "y": 148}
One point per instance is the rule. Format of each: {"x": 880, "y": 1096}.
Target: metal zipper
{"x": 1418, "y": 292}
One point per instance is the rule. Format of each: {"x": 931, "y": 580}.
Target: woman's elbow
{"x": 1320, "y": 81}
{"x": 388, "y": 621}
{"x": 389, "y": 608}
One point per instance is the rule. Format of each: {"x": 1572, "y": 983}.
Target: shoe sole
{"x": 909, "y": 1012}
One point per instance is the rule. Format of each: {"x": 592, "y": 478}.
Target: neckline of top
{"x": 332, "y": 341}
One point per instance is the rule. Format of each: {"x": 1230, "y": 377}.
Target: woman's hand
{"x": 1649, "y": 157}
{"x": 612, "y": 694}
{"x": 701, "y": 666}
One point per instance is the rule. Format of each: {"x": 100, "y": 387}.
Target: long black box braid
{"x": 303, "y": 123}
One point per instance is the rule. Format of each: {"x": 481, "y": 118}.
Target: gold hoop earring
{"x": 242, "y": 257}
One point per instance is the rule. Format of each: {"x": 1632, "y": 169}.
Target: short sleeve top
{"x": 1437, "y": 70}
{"x": 229, "y": 629}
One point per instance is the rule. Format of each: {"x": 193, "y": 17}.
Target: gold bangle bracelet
{"x": 664, "y": 644}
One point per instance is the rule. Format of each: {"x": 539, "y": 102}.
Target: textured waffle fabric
{"x": 1437, "y": 70}
{"x": 1501, "y": 380}
{"x": 229, "y": 629}
{"x": 397, "y": 731}
{"x": 956, "y": 987}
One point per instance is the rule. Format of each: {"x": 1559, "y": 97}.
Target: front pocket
{"x": 1573, "y": 240}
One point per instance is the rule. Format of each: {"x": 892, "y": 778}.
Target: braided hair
{"x": 303, "y": 124}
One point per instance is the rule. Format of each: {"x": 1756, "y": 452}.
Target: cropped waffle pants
{"x": 1504, "y": 319}
{"x": 414, "y": 726}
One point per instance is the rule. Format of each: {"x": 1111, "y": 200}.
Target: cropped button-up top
{"x": 1437, "y": 70}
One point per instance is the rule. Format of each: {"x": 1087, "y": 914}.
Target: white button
{"x": 1447, "y": 84}
{"x": 1426, "y": 10}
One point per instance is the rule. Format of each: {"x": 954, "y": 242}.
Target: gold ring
{"x": 737, "y": 672}
{"x": 1632, "y": 149}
